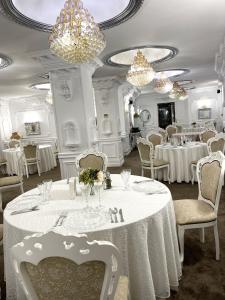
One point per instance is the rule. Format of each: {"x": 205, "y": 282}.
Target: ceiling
{"x": 195, "y": 28}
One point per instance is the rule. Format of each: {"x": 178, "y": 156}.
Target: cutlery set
{"x": 25, "y": 210}
{"x": 116, "y": 214}
{"x": 60, "y": 220}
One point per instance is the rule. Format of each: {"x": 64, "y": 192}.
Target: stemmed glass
{"x": 125, "y": 175}
{"x": 47, "y": 186}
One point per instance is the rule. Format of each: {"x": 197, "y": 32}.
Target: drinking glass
{"x": 85, "y": 192}
{"x": 99, "y": 191}
{"x": 125, "y": 175}
{"x": 47, "y": 186}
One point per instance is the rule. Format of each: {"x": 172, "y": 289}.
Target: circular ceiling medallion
{"x": 42, "y": 14}
{"x": 5, "y": 61}
{"x": 173, "y": 73}
{"x": 154, "y": 54}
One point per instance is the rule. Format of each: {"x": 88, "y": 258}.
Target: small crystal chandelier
{"x": 162, "y": 84}
{"x": 75, "y": 37}
{"x": 141, "y": 72}
{"x": 178, "y": 92}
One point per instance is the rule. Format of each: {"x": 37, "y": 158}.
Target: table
{"x": 147, "y": 240}
{"x": 47, "y": 159}
{"x": 180, "y": 158}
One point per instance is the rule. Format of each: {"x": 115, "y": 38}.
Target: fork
{"x": 115, "y": 211}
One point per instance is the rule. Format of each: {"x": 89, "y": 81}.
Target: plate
{"x": 149, "y": 187}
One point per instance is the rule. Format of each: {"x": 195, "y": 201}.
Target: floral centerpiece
{"x": 91, "y": 176}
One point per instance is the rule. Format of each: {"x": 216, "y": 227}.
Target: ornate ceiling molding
{"x": 173, "y": 52}
{"x": 7, "y": 8}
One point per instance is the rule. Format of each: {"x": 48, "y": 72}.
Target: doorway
{"x": 166, "y": 114}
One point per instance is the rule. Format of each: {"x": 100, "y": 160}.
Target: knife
{"x": 22, "y": 211}
{"x": 121, "y": 215}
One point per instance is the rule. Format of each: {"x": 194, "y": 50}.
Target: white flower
{"x": 100, "y": 176}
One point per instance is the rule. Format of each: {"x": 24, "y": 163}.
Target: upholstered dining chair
{"x": 216, "y": 143}
{"x": 91, "y": 159}
{"x": 155, "y": 138}
{"x": 3, "y": 162}
{"x": 206, "y": 135}
{"x": 148, "y": 161}
{"x": 31, "y": 157}
{"x": 202, "y": 213}
{"x": 170, "y": 129}
{"x": 73, "y": 269}
{"x": 163, "y": 133}
{"x": 12, "y": 182}
{"x": 13, "y": 143}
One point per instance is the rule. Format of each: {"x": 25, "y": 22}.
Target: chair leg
{"x": 202, "y": 235}
{"x": 217, "y": 241}
{"x": 38, "y": 167}
{"x": 142, "y": 172}
{"x": 27, "y": 173}
{"x": 152, "y": 174}
{"x": 168, "y": 174}
{"x": 180, "y": 231}
{"x": 193, "y": 174}
{"x": 21, "y": 188}
{"x": 3, "y": 291}
{"x": 1, "y": 201}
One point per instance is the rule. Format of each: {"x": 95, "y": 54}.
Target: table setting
{"x": 136, "y": 214}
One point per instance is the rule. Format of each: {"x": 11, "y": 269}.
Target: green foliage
{"x": 88, "y": 176}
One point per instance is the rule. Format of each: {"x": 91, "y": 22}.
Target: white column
{"x": 73, "y": 100}
{"x": 108, "y": 119}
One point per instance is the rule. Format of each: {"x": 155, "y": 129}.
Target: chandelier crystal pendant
{"x": 141, "y": 73}
{"x": 162, "y": 84}
{"x": 178, "y": 92}
{"x": 75, "y": 37}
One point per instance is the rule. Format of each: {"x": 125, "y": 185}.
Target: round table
{"x": 147, "y": 240}
{"x": 47, "y": 159}
{"x": 180, "y": 158}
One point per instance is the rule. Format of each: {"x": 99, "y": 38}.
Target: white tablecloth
{"x": 147, "y": 239}
{"x": 47, "y": 159}
{"x": 180, "y": 158}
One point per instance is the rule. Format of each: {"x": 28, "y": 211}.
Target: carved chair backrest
{"x": 154, "y": 138}
{"x": 91, "y": 159}
{"x": 206, "y": 135}
{"x": 210, "y": 174}
{"x": 171, "y": 130}
{"x": 73, "y": 269}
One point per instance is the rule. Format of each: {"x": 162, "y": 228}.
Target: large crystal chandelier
{"x": 141, "y": 72}
{"x": 162, "y": 84}
{"x": 75, "y": 37}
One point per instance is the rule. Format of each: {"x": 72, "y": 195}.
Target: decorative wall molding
{"x": 71, "y": 134}
{"x": 113, "y": 148}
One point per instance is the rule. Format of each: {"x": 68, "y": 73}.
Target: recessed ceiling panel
{"x": 154, "y": 54}
{"x": 42, "y": 14}
{"x": 173, "y": 72}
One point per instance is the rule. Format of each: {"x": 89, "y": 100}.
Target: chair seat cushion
{"x": 194, "y": 162}
{"x": 1, "y": 232}
{"x": 31, "y": 160}
{"x": 4, "y": 181}
{"x": 160, "y": 162}
{"x": 191, "y": 211}
{"x": 3, "y": 161}
{"x": 122, "y": 289}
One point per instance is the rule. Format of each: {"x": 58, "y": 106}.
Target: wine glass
{"x": 125, "y": 175}
{"x": 47, "y": 186}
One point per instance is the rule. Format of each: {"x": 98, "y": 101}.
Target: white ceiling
{"x": 196, "y": 28}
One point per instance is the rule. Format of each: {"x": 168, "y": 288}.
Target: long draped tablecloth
{"x": 147, "y": 240}
{"x": 180, "y": 158}
{"x": 46, "y": 155}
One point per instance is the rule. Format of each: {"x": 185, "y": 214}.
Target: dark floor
{"x": 203, "y": 277}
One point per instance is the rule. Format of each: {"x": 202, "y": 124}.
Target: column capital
{"x": 106, "y": 83}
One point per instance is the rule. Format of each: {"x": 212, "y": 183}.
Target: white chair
{"x": 148, "y": 162}
{"x": 3, "y": 163}
{"x": 170, "y": 130}
{"x": 91, "y": 159}
{"x": 163, "y": 133}
{"x": 31, "y": 157}
{"x": 52, "y": 266}
{"x": 13, "y": 143}
{"x": 207, "y": 134}
{"x": 155, "y": 138}
{"x": 214, "y": 144}
{"x": 202, "y": 213}
{"x": 11, "y": 182}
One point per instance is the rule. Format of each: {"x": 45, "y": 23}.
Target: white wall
{"x": 149, "y": 101}
{"x": 32, "y": 109}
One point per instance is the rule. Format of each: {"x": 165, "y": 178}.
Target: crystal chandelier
{"x": 178, "y": 92}
{"x": 75, "y": 37}
{"x": 162, "y": 84}
{"x": 141, "y": 72}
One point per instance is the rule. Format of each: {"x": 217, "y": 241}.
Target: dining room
{"x": 112, "y": 150}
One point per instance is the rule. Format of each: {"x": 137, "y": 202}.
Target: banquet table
{"x": 179, "y": 158}
{"x": 147, "y": 240}
{"x": 47, "y": 159}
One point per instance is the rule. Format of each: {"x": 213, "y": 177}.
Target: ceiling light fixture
{"x": 141, "y": 73}
{"x": 163, "y": 85}
{"x": 178, "y": 92}
{"x": 75, "y": 37}
{"x": 5, "y": 61}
